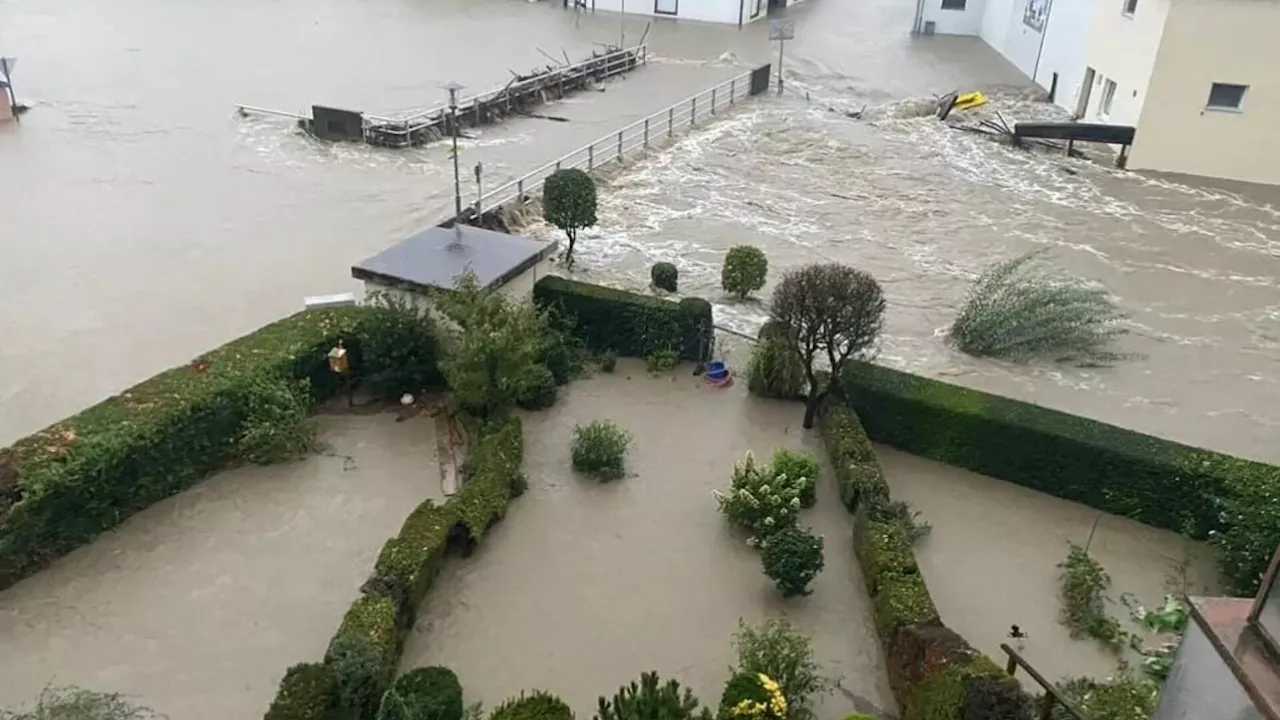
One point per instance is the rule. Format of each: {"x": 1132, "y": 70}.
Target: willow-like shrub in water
{"x": 1020, "y": 310}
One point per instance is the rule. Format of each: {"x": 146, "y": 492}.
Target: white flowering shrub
{"x": 759, "y": 501}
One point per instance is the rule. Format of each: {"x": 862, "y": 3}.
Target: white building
{"x": 1198, "y": 79}
{"x": 738, "y": 12}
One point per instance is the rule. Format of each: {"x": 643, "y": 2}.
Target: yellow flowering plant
{"x": 772, "y": 707}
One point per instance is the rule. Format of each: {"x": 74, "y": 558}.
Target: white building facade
{"x": 739, "y": 12}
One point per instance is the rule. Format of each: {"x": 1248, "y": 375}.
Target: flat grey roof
{"x": 434, "y": 258}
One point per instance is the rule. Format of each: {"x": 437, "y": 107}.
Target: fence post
{"x": 619, "y": 146}
{"x": 557, "y": 166}
{"x": 1011, "y": 667}
{"x": 520, "y": 189}
{"x": 713, "y": 101}
{"x": 1046, "y": 706}
{"x": 693, "y": 111}
{"x": 646, "y": 133}
{"x": 671, "y": 121}
{"x": 732, "y": 89}
{"x": 591, "y": 157}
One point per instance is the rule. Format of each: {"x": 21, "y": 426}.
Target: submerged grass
{"x": 1020, "y": 310}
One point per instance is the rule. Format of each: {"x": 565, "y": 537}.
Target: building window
{"x": 1130, "y": 7}
{"x": 1225, "y": 96}
{"x": 953, "y": 4}
{"x": 1108, "y": 95}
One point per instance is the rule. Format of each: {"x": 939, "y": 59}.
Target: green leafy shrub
{"x": 1234, "y": 503}
{"x": 1019, "y": 310}
{"x": 539, "y": 393}
{"x": 858, "y": 471}
{"x": 989, "y": 697}
{"x": 277, "y": 425}
{"x": 649, "y": 700}
{"x": 775, "y": 648}
{"x": 744, "y": 271}
{"x": 1122, "y": 697}
{"x": 360, "y": 675}
{"x": 559, "y": 350}
{"x": 62, "y": 486}
{"x": 398, "y": 347}
{"x": 792, "y": 559}
{"x": 600, "y": 449}
{"x": 628, "y": 323}
{"x": 74, "y": 703}
{"x": 1081, "y": 588}
{"x": 428, "y": 693}
{"x": 665, "y": 276}
{"x": 608, "y": 361}
{"x": 493, "y": 352}
{"x": 798, "y": 466}
{"x": 307, "y": 692}
{"x": 569, "y": 203}
{"x": 537, "y": 705}
{"x": 774, "y": 369}
{"x": 759, "y": 502}
{"x": 742, "y": 686}
{"x": 661, "y": 361}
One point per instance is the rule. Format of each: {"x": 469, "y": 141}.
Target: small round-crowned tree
{"x": 569, "y": 203}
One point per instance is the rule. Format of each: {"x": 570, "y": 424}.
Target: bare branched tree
{"x": 831, "y": 312}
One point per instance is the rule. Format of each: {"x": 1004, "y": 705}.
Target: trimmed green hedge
{"x": 1234, "y": 503}
{"x": 934, "y": 673}
{"x": 62, "y": 486}
{"x": 306, "y": 693}
{"x": 408, "y": 562}
{"x": 628, "y": 323}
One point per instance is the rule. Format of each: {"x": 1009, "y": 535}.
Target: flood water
{"x": 196, "y": 605}
{"x": 601, "y": 582}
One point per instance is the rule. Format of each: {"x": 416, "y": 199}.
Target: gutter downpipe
{"x": 1048, "y": 18}
{"x": 742, "y": 10}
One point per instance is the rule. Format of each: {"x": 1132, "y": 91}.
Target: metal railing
{"x": 1051, "y": 697}
{"x": 639, "y": 135}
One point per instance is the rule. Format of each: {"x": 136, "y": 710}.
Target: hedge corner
{"x": 306, "y": 693}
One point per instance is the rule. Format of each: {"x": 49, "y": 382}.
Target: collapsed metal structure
{"x": 517, "y": 97}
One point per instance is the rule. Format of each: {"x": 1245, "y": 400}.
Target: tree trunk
{"x": 811, "y": 410}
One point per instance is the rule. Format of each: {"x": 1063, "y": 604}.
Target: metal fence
{"x": 639, "y": 135}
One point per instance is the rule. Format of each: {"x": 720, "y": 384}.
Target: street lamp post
{"x": 453, "y": 87}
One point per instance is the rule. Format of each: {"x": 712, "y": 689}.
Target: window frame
{"x": 1129, "y": 8}
{"x": 1238, "y": 107}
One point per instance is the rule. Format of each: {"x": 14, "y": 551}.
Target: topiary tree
{"x": 650, "y": 700}
{"x": 665, "y": 276}
{"x": 1019, "y": 310}
{"x": 829, "y": 311}
{"x": 537, "y": 705}
{"x": 744, "y": 271}
{"x": 569, "y": 203}
{"x": 428, "y": 693}
{"x": 600, "y": 449}
{"x": 793, "y": 558}
{"x": 774, "y": 370}
{"x": 493, "y": 351}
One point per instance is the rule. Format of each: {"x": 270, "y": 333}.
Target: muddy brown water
{"x": 196, "y": 605}
{"x": 586, "y": 585}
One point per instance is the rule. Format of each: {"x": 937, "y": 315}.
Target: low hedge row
{"x": 64, "y": 485}
{"x": 1233, "y": 503}
{"x": 934, "y": 673}
{"x": 384, "y": 615}
{"x": 629, "y": 323}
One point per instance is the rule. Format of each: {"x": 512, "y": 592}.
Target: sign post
{"x": 782, "y": 31}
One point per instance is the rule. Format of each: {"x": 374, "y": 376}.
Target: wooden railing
{"x": 1052, "y": 698}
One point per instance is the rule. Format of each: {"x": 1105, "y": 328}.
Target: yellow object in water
{"x": 970, "y": 100}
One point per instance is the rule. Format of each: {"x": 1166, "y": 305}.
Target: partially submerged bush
{"x": 796, "y": 466}
{"x": 753, "y": 696}
{"x": 792, "y": 559}
{"x": 427, "y": 693}
{"x": 600, "y": 449}
{"x": 665, "y": 276}
{"x": 1018, "y": 310}
{"x": 399, "y": 351}
{"x": 759, "y": 502}
{"x": 774, "y": 370}
{"x": 540, "y": 393}
{"x": 744, "y": 271}
{"x": 559, "y": 350}
{"x": 307, "y": 692}
{"x": 990, "y": 697}
{"x": 278, "y": 424}
{"x": 1121, "y": 697}
{"x": 537, "y": 705}
{"x": 776, "y": 649}
{"x": 73, "y": 703}
{"x": 608, "y": 361}
{"x": 662, "y": 360}
{"x": 1169, "y": 623}
{"x": 1081, "y": 587}
{"x": 360, "y": 675}
{"x": 649, "y": 700}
